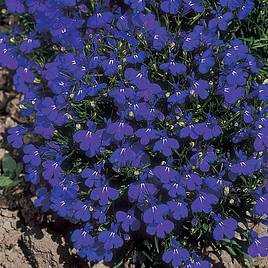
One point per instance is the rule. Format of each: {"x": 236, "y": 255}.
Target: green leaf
{"x": 6, "y": 182}
{"x": 10, "y": 168}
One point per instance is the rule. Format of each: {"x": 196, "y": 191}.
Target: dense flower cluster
{"x": 143, "y": 121}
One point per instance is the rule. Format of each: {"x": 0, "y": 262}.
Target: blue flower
{"x": 137, "y": 57}
{"x": 155, "y": 214}
{"x": 245, "y": 166}
{"x": 136, "y": 5}
{"x": 29, "y": 44}
{"x": 191, "y": 180}
{"x": 99, "y": 20}
{"x": 199, "y": 88}
{"x": 82, "y": 237}
{"x": 178, "y": 209}
{"x": 146, "y": 135}
{"x": 170, "y": 6}
{"x": 119, "y": 130}
{"x": 204, "y": 202}
{"x": 173, "y": 67}
{"x": 161, "y": 229}
{"x": 166, "y": 174}
{"x": 124, "y": 156}
{"x": 166, "y": 145}
{"x": 81, "y": 211}
{"x": 224, "y": 228}
{"x": 259, "y": 246}
{"x": 205, "y": 61}
{"x": 89, "y": 141}
{"x": 141, "y": 191}
{"x": 128, "y": 221}
{"x": 15, "y": 136}
{"x": 93, "y": 177}
{"x": 176, "y": 255}
{"x": 221, "y": 21}
{"x": 110, "y": 239}
{"x": 31, "y": 155}
{"x": 15, "y": 6}
{"x": 104, "y": 194}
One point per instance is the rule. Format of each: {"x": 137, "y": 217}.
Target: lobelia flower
{"x": 261, "y": 207}
{"x": 100, "y": 20}
{"x": 204, "y": 202}
{"x": 204, "y": 160}
{"x": 110, "y": 66}
{"x": 237, "y": 77}
{"x": 246, "y": 8}
{"x": 61, "y": 205}
{"x": 178, "y": 209}
{"x": 166, "y": 174}
{"x": 139, "y": 79}
{"x": 261, "y": 140}
{"x": 31, "y": 155}
{"x": 123, "y": 157}
{"x": 173, "y": 67}
{"x": 81, "y": 211}
{"x": 136, "y": 5}
{"x": 191, "y": 41}
{"x": 128, "y": 221}
{"x": 89, "y": 140}
{"x": 170, "y": 6}
{"x": 32, "y": 174}
{"x": 155, "y": 213}
{"x": 248, "y": 114}
{"x": 110, "y": 238}
{"x": 195, "y": 5}
{"x": 191, "y": 180}
{"x": 15, "y": 6}
{"x": 199, "y": 88}
{"x": 233, "y": 94}
{"x": 221, "y": 21}
{"x": 176, "y": 255}
{"x": 82, "y": 237}
{"x": 245, "y": 166}
{"x": 119, "y": 130}
{"x": 52, "y": 171}
{"x": 141, "y": 191}
{"x": 93, "y": 177}
{"x": 104, "y": 194}
{"x": 205, "y": 61}
{"x": 143, "y": 111}
{"x": 179, "y": 97}
{"x": 100, "y": 214}
{"x": 210, "y": 129}
{"x": 29, "y": 45}
{"x": 191, "y": 130}
{"x": 86, "y": 91}
{"x": 224, "y": 228}
{"x": 259, "y": 246}
{"x": 160, "y": 38}
{"x": 216, "y": 183}
{"x": 146, "y": 135}
{"x": 166, "y": 145}
{"x": 15, "y": 136}
{"x": 145, "y": 82}
{"x": 137, "y": 58}
{"x": 175, "y": 187}
{"x": 161, "y": 229}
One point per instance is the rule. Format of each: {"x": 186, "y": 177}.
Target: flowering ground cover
{"x": 145, "y": 125}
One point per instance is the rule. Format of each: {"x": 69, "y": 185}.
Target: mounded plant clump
{"x": 145, "y": 126}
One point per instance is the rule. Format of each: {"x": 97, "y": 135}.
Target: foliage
{"x": 10, "y": 172}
